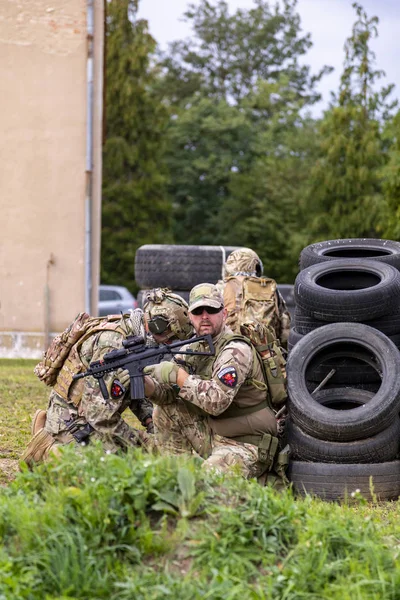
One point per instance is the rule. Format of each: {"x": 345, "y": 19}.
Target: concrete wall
{"x": 50, "y": 198}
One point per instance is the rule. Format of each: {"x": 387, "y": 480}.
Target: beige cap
{"x": 205, "y": 294}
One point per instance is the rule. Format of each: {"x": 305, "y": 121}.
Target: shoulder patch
{"x": 228, "y": 376}
{"x": 117, "y": 389}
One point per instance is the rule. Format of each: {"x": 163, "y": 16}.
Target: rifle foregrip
{"x": 103, "y": 388}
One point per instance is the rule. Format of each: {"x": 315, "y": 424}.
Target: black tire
{"x": 348, "y": 290}
{"x": 179, "y": 267}
{"x": 339, "y": 481}
{"x": 386, "y": 251}
{"x": 369, "y": 387}
{"x": 336, "y": 425}
{"x": 295, "y": 336}
{"x": 382, "y": 447}
{"x": 351, "y": 366}
{"x": 141, "y": 297}
{"x": 304, "y": 323}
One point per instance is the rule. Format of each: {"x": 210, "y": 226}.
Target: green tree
{"x": 345, "y": 194}
{"x": 217, "y": 132}
{"x": 265, "y": 207}
{"x": 209, "y": 141}
{"x": 391, "y": 178}
{"x": 135, "y": 207}
{"x": 228, "y": 54}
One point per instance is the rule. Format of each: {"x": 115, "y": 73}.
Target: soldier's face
{"x": 206, "y": 323}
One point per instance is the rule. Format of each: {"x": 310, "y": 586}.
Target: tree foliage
{"x": 391, "y": 178}
{"x": 265, "y": 207}
{"x": 135, "y": 206}
{"x": 212, "y": 143}
{"x": 229, "y": 53}
{"x": 345, "y": 193}
{"x": 235, "y": 89}
{"x": 208, "y": 142}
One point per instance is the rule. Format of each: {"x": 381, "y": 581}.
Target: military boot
{"x": 38, "y": 421}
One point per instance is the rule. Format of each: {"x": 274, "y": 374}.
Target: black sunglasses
{"x": 158, "y": 325}
{"x": 209, "y": 310}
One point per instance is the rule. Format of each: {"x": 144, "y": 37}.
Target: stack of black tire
{"x": 178, "y": 268}
{"x": 344, "y": 370}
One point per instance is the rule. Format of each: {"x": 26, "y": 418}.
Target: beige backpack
{"x": 80, "y": 329}
{"x": 253, "y": 311}
{"x": 251, "y": 299}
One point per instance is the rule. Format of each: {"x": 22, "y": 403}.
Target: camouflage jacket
{"x": 104, "y": 416}
{"x": 233, "y": 376}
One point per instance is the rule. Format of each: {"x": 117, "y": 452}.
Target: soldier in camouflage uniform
{"x": 216, "y": 406}
{"x": 77, "y": 410}
{"x": 243, "y": 264}
{"x": 166, "y": 316}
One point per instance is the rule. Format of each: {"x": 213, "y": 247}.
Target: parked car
{"x": 114, "y": 299}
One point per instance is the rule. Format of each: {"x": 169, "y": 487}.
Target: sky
{"x": 329, "y": 22}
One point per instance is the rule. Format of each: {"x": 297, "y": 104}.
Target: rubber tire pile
{"x": 178, "y": 268}
{"x": 344, "y": 370}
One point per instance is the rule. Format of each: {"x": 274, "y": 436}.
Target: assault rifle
{"x": 135, "y": 356}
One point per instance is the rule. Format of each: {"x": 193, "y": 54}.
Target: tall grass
{"x": 91, "y": 525}
{"x": 94, "y": 526}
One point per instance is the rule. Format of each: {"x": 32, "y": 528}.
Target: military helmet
{"x": 243, "y": 261}
{"x": 163, "y": 309}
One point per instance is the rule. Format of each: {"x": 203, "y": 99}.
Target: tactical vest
{"x": 251, "y": 299}
{"x": 62, "y": 374}
{"x": 251, "y": 401}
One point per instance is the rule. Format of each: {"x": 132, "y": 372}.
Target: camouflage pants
{"x": 179, "y": 431}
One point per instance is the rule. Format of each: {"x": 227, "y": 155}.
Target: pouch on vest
{"x": 61, "y": 360}
{"x": 48, "y": 369}
{"x": 271, "y": 357}
{"x": 267, "y": 449}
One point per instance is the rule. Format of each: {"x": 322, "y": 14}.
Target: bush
{"x": 91, "y": 525}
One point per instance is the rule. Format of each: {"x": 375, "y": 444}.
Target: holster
{"x": 79, "y": 432}
{"x": 276, "y": 477}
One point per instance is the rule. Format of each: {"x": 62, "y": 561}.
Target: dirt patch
{"x": 8, "y": 469}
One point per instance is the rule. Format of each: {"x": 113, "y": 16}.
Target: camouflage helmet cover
{"x": 162, "y": 302}
{"x": 243, "y": 261}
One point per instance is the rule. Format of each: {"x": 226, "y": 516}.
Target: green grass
{"x": 92, "y": 526}
{"x": 21, "y": 394}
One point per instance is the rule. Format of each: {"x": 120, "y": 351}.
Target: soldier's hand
{"x": 164, "y": 372}
{"x": 124, "y": 377}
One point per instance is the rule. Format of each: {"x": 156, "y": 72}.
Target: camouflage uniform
{"x": 77, "y": 409}
{"x": 245, "y": 263}
{"x": 64, "y": 415}
{"x": 222, "y": 411}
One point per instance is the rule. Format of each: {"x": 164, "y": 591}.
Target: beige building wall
{"x": 50, "y": 161}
